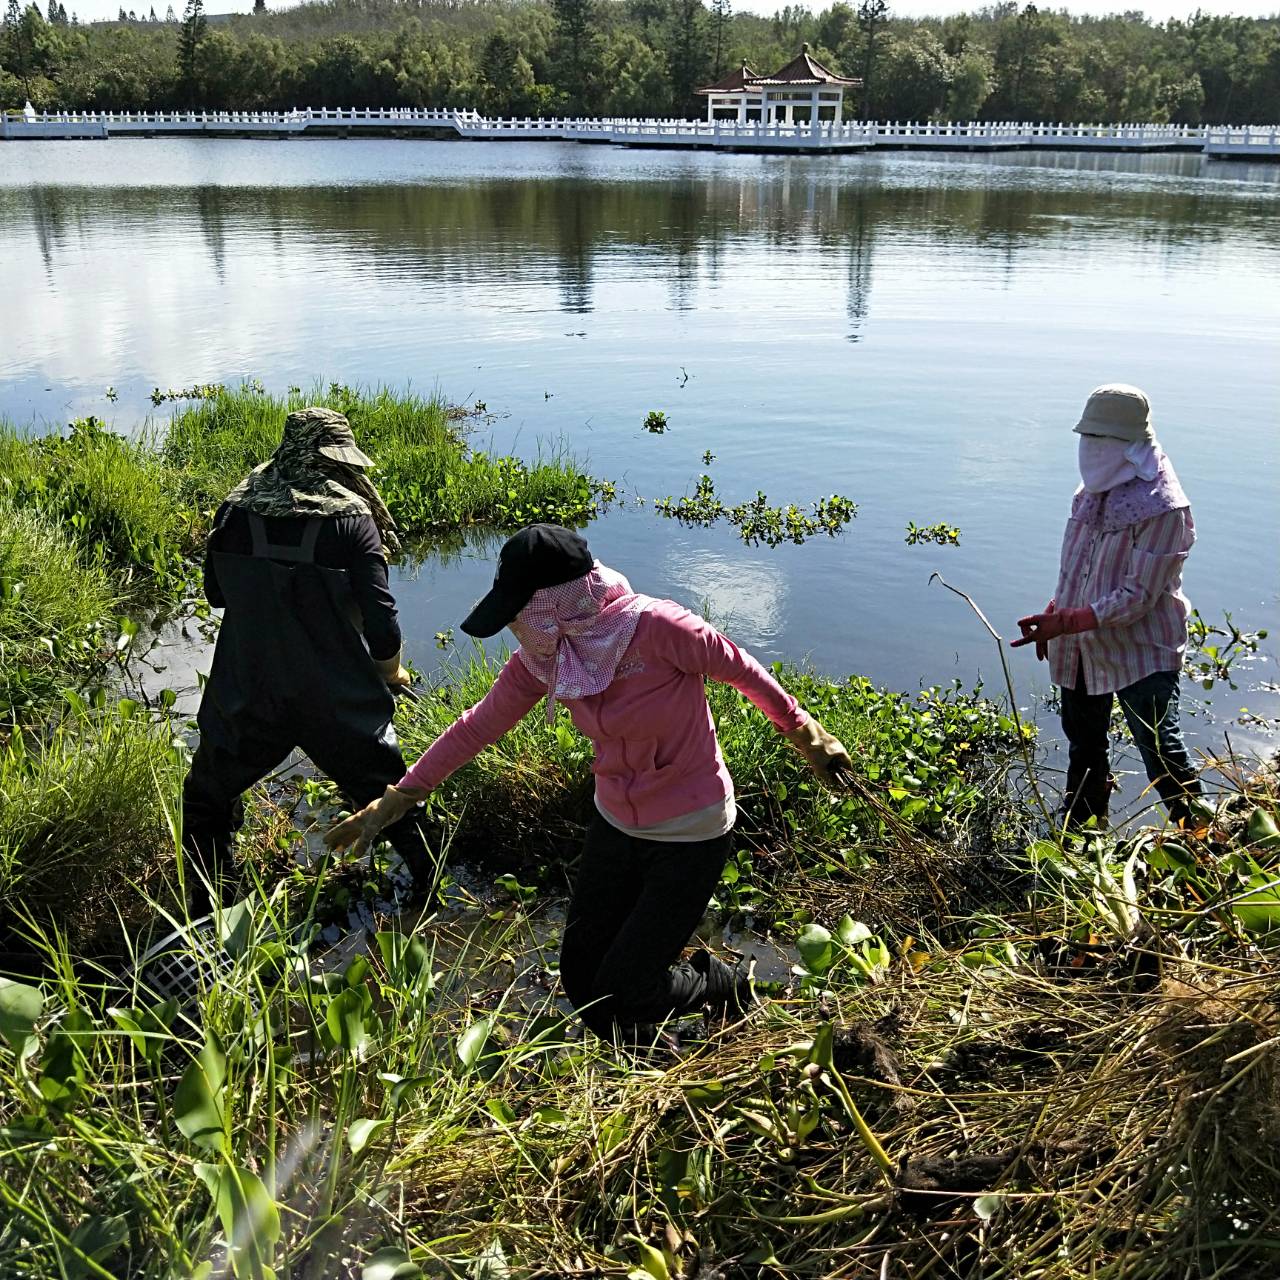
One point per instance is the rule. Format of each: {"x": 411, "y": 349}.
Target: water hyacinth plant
{"x": 756, "y": 520}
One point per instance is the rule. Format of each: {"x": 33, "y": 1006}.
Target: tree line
{"x": 642, "y": 58}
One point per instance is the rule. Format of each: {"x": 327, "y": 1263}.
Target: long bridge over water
{"x": 1221, "y": 142}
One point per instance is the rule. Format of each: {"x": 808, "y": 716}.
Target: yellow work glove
{"x": 360, "y": 830}
{"x": 392, "y": 672}
{"x": 826, "y": 754}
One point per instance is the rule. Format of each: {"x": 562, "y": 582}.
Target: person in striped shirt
{"x": 1117, "y": 624}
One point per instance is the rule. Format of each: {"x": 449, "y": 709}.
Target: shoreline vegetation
{"x": 997, "y": 1050}
{"x": 641, "y": 58}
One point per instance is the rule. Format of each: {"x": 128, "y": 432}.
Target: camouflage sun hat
{"x": 324, "y": 431}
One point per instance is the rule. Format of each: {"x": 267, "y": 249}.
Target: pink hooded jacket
{"x": 656, "y": 752}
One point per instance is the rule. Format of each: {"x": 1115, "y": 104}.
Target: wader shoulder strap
{"x": 304, "y": 553}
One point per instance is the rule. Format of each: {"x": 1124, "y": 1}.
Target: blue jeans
{"x": 1150, "y": 708}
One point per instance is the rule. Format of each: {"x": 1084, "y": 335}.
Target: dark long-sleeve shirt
{"x": 344, "y": 542}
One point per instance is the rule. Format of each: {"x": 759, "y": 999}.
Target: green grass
{"x": 430, "y": 478}
{"x": 1045, "y": 1096}
{"x": 83, "y": 820}
{"x": 115, "y": 497}
{"x": 57, "y": 612}
{"x": 142, "y": 506}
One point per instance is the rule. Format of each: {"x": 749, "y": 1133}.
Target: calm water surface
{"x": 916, "y": 332}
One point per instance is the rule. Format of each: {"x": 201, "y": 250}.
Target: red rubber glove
{"x": 1042, "y": 646}
{"x": 1040, "y": 628}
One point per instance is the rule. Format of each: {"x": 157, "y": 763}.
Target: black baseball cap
{"x": 541, "y": 555}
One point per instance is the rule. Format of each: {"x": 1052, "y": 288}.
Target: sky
{"x": 1157, "y": 10}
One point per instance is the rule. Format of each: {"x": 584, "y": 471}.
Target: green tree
{"x": 686, "y": 52}
{"x": 721, "y": 12}
{"x": 33, "y": 57}
{"x": 190, "y": 39}
{"x": 872, "y": 16}
{"x": 837, "y": 27}
{"x": 1018, "y": 60}
{"x": 970, "y": 86}
{"x": 507, "y": 77}
{"x": 916, "y": 76}
{"x": 576, "y": 43}
{"x": 634, "y": 76}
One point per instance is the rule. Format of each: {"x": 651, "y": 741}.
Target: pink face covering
{"x": 573, "y": 636}
{"x": 1106, "y": 463}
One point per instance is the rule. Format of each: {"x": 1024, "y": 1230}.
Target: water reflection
{"x": 695, "y": 231}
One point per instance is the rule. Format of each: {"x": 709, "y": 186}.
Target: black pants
{"x": 635, "y": 906}
{"x": 1150, "y": 707}
{"x": 362, "y": 765}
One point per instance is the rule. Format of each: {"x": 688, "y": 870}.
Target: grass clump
{"x": 113, "y": 496}
{"x": 427, "y": 474}
{"x": 84, "y": 817}
{"x": 56, "y": 612}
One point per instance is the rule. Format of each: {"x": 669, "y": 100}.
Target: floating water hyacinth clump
{"x": 940, "y": 534}
{"x": 758, "y": 521}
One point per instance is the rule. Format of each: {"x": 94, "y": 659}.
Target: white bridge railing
{"x": 724, "y": 134}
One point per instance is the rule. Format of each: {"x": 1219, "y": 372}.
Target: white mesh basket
{"x": 183, "y": 964}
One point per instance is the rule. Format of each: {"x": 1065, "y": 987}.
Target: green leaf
{"x": 250, "y": 1219}
{"x": 500, "y": 1110}
{"x": 652, "y": 1262}
{"x": 1259, "y": 912}
{"x": 197, "y": 1103}
{"x": 362, "y": 1132}
{"x": 1262, "y": 830}
{"x": 705, "y": 1093}
{"x": 814, "y": 945}
{"x": 473, "y": 1042}
{"x": 403, "y": 956}
{"x": 99, "y": 1238}
{"x": 986, "y": 1206}
{"x": 390, "y": 1263}
{"x": 345, "y": 1020}
{"x": 851, "y": 932}
{"x": 235, "y": 925}
{"x": 401, "y": 1086}
{"x": 356, "y": 971}
{"x": 20, "y": 1010}
{"x": 63, "y": 1063}
{"x": 613, "y": 1131}
{"x": 823, "y": 1047}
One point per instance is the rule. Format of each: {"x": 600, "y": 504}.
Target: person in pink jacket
{"x": 630, "y": 671}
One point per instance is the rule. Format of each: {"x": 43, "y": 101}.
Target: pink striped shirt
{"x": 1132, "y": 578}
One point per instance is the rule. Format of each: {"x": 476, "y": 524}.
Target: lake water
{"x": 917, "y": 332}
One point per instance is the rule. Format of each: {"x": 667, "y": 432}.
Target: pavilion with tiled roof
{"x": 802, "y": 92}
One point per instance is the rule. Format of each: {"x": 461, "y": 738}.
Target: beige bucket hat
{"x": 1118, "y": 412}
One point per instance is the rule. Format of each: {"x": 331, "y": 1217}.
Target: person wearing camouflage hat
{"x": 309, "y": 648}
{"x": 317, "y": 470}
